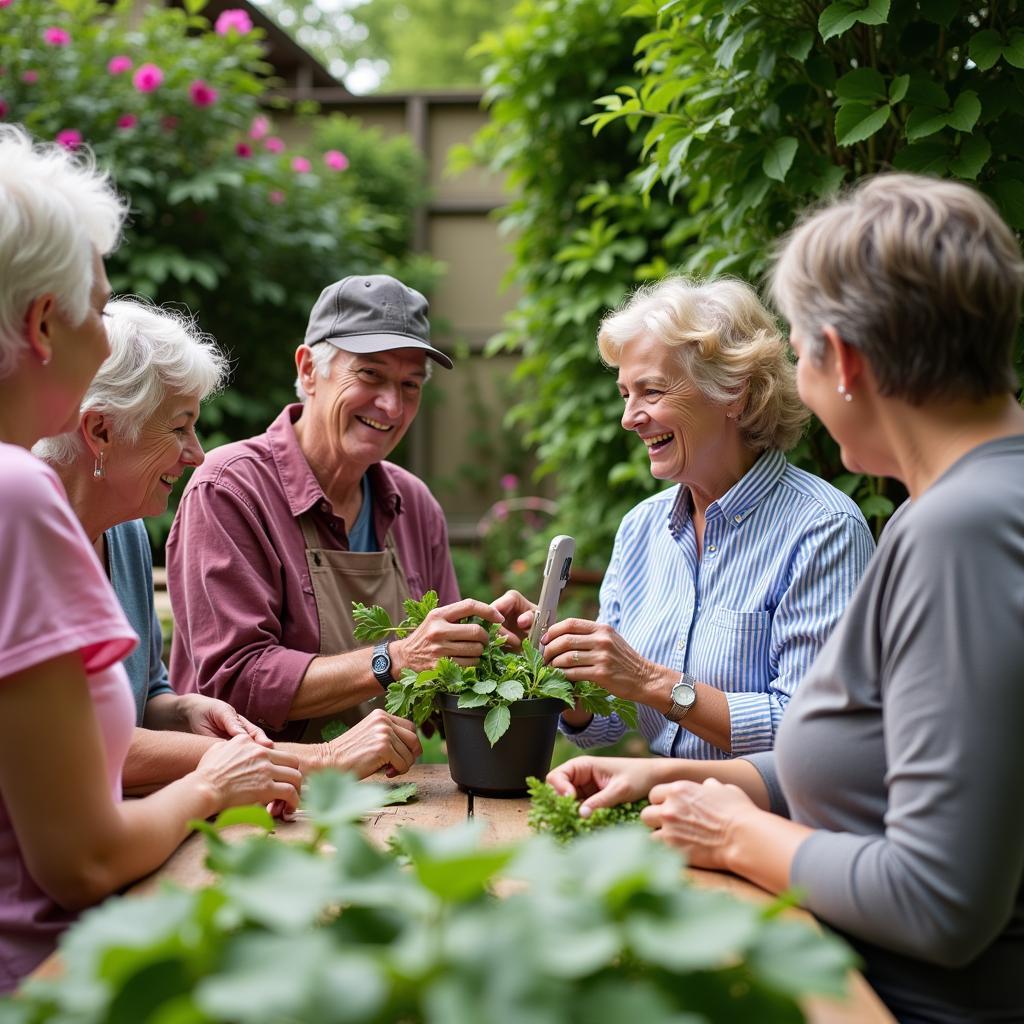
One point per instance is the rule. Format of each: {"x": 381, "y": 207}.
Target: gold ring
{"x": 575, "y": 657}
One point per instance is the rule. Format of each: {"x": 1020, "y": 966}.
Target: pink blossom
{"x": 259, "y": 128}
{"x": 56, "y": 37}
{"x": 127, "y": 121}
{"x": 233, "y": 19}
{"x": 168, "y": 122}
{"x": 301, "y": 165}
{"x": 148, "y": 78}
{"x": 336, "y": 160}
{"x": 30, "y": 77}
{"x": 509, "y": 482}
{"x": 119, "y": 65}
{"x": 500, "y": 510}
{"x": 69, "y": 137}
{"x": 203, "y": 95}
{"x": 5, "y": 3}
{"x": 3, "y": 107}
{"x": 243, "y": 149}
{"x": 276, "y": 196}
{"x": 274, "y": 144}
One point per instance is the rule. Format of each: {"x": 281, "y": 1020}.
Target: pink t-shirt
{"x": 54, "y": 599}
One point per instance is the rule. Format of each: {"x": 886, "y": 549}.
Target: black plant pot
{"x": 524, "y": 750}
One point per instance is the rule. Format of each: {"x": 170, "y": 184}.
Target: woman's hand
{"x": 604, "y": 781}
{"x": 379, "y": 741}
{"x": 240, "y": 771}
{"x": 519, "y": 612}
{"x": 442, "y": 635}
{"x": 593, "y": 650}
{"x": 701, "y": 819}
{"x": 207, "y": 716}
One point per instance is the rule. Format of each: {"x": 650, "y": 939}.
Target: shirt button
{"x": 711, "y": 547}
{"x": 738, "y": 519}
{"x": 681, "y": 646}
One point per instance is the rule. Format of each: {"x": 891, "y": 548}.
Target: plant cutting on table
{"x": 501, "y": 678}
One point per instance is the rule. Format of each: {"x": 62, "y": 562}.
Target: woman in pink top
{"x": 66, "y": 711}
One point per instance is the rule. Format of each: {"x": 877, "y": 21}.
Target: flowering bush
{"x": 227, "y": 217}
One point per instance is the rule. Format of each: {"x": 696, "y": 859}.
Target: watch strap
{"x": 380, "y": 664}
{"x": 677, "y": 712}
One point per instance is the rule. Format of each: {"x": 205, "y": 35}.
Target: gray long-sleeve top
{"x": 904, "y": 749}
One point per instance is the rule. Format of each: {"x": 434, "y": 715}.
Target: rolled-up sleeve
{"x": 225, "y": 582}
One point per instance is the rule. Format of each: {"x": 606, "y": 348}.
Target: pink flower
{"x": 276, "y": 196}
{"x": 69, "y": 138}
{"x": 203, "y": 95}
{"x": 500, "y": 510}
{"x": 168, "y": 122}
{"x": 56, "y": 37}
{"x": 243, "y": 149}
{"x": 274, "y": 144}
{"x": 5, "y": 3}
{"x": 119, "y": 65}
{"x": 234, "y": 19}
{"x": 336, "y": 160}
{"x": 127, "y": 121}
{"x": 30, "y": 77}
{"x": 301, "y": 165}
{"x": 509, "y": 482}
{"x": 148, "y": 78}
{"x": 259, "y": 128}
{"x": 3, "y": 108}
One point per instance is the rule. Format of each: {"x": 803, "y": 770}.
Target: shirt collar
{"x": 741, "y": 499}
{"x": 301, "y": 487}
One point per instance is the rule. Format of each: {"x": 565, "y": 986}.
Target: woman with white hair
{"x": 722, "y": 589}
{"x": 66, "y": 714}
{"x": 892, "y": 801}
{"x": 135, "y": 437}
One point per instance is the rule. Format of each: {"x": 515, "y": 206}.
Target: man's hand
{"x": 379, "y": 741}
{"x": 207, "y": 716}
{"x": 442, "y": 635}
{"x": 519, "y": 612}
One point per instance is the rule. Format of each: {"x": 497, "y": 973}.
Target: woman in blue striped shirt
{"x": 722, "y": 589}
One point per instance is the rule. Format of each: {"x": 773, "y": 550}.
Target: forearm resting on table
{"x": 333, "y": 683}
{"x": 736, "y": 772}
{"x": 158, "y": 757}
{"x": 761, "y": 847}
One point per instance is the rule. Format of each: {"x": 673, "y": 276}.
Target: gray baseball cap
{"x": 372, "y": 314}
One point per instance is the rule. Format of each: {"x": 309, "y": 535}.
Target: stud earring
{"x": 45, "y": 360}
{"x": 98, "y": 471}
{"x": 847, "y": 397}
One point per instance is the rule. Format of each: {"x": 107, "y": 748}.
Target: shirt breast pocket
{"x": 737, "y": 649}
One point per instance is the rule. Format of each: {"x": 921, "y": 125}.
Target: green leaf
{"x": 876, "y": 505}
{"x": 485, "y": 686}
{"x": 856, "y": 122}
{"x": 1010, "y": 197}
{"x": 473, "y": 700}
{"x": 800, "y": 45}
{"x": 371, "y": 624}
{"x": 451, "y": 863}
{"x": 926, "y": 93}
{"x": 925, "y": 121}
{"x": 865, "y": 85}
{"x": 931, "y": 157}
{"x": 497, "y": 722}
{"x": 876, "y": 13}
{"x": 838, "y": 18}
{"x": 251, "y": 815}
{"x": 1013, "y": 52}
{"x": 797, "y": 959}
{"x": 779, "y": 158}
{"x": 985, "y": 48}
{"x": 335, "y": 798}
{"x": 966, "y": 111}
{"x": 940, "y": 12}
{"x": 511, "y": 689}
{"x": 898, "y": 88}
{"x": 975, "y": 151}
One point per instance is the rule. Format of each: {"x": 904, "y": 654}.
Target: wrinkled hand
{"x": 207, "y": 716}
{"x": 603, "y": 781}
{"x": 442, "y": 635}
{"x": 698, "y": 818}
{"x": 379, "y": 741}
{"x": 240, "y": 771}
{"x": 519, "y": 612}
{"x": 593, "y": 650}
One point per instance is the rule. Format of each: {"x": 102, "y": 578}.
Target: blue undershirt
{"x": 361, "y": 537}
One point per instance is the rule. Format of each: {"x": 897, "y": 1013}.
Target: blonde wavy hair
{"x": 726, "y": 342}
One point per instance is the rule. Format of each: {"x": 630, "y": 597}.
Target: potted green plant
{"x": 500, "y": 716}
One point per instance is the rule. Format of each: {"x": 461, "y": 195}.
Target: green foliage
{"x": 717, "y": 122}
{"x": 559, "y": 816}
{"x": 219, "y": 222}
{"x": 499, "y": 679}
{"x": 603, "y": 930}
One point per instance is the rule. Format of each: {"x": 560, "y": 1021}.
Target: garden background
{"x": 632, "y": 138}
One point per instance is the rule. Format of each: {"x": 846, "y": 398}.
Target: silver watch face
{"x": 381, "y": 664}
{"x": 684, "y": 694}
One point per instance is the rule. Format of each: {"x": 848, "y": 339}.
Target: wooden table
{"x": 439, "y": 803}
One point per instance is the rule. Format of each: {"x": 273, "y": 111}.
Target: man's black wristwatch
{"x": 380, "y": 664}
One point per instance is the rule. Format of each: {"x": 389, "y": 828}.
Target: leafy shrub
{"x": 559, "y": 816}
{"x": 335, "y": 931}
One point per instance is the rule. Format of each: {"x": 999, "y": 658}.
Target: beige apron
{"x": 339, "y": 578}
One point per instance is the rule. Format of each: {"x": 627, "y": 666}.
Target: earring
{"x": 847, "y": 397}
{"x": 45, "y": 360}
{"x": 98, "y": 471}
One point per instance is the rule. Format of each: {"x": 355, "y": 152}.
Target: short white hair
{"x": 323, "y": 355}
{"x": 56, "y": 209}
{"x": 154, "y": 351}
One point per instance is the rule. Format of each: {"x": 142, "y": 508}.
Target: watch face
{"x": 381, "y": 664}
{"x": 684, "y": 694}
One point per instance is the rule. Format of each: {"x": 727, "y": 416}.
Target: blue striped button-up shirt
{"x": 783, "y": 553}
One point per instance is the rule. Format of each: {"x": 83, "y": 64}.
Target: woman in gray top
{"x": 893, "y": 797}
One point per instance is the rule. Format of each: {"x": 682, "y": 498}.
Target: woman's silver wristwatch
{"x": 684, "y": 696}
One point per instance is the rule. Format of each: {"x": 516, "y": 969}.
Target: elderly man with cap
{"x": 276, "y": 536}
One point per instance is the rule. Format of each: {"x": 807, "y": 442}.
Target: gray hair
{"x": 726, "y": 343}
{"x": 154, "y": 351}
{"x": 921, "y": 275}
{"x": 323, "y": 355}
{"x": 56, "y": 209}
